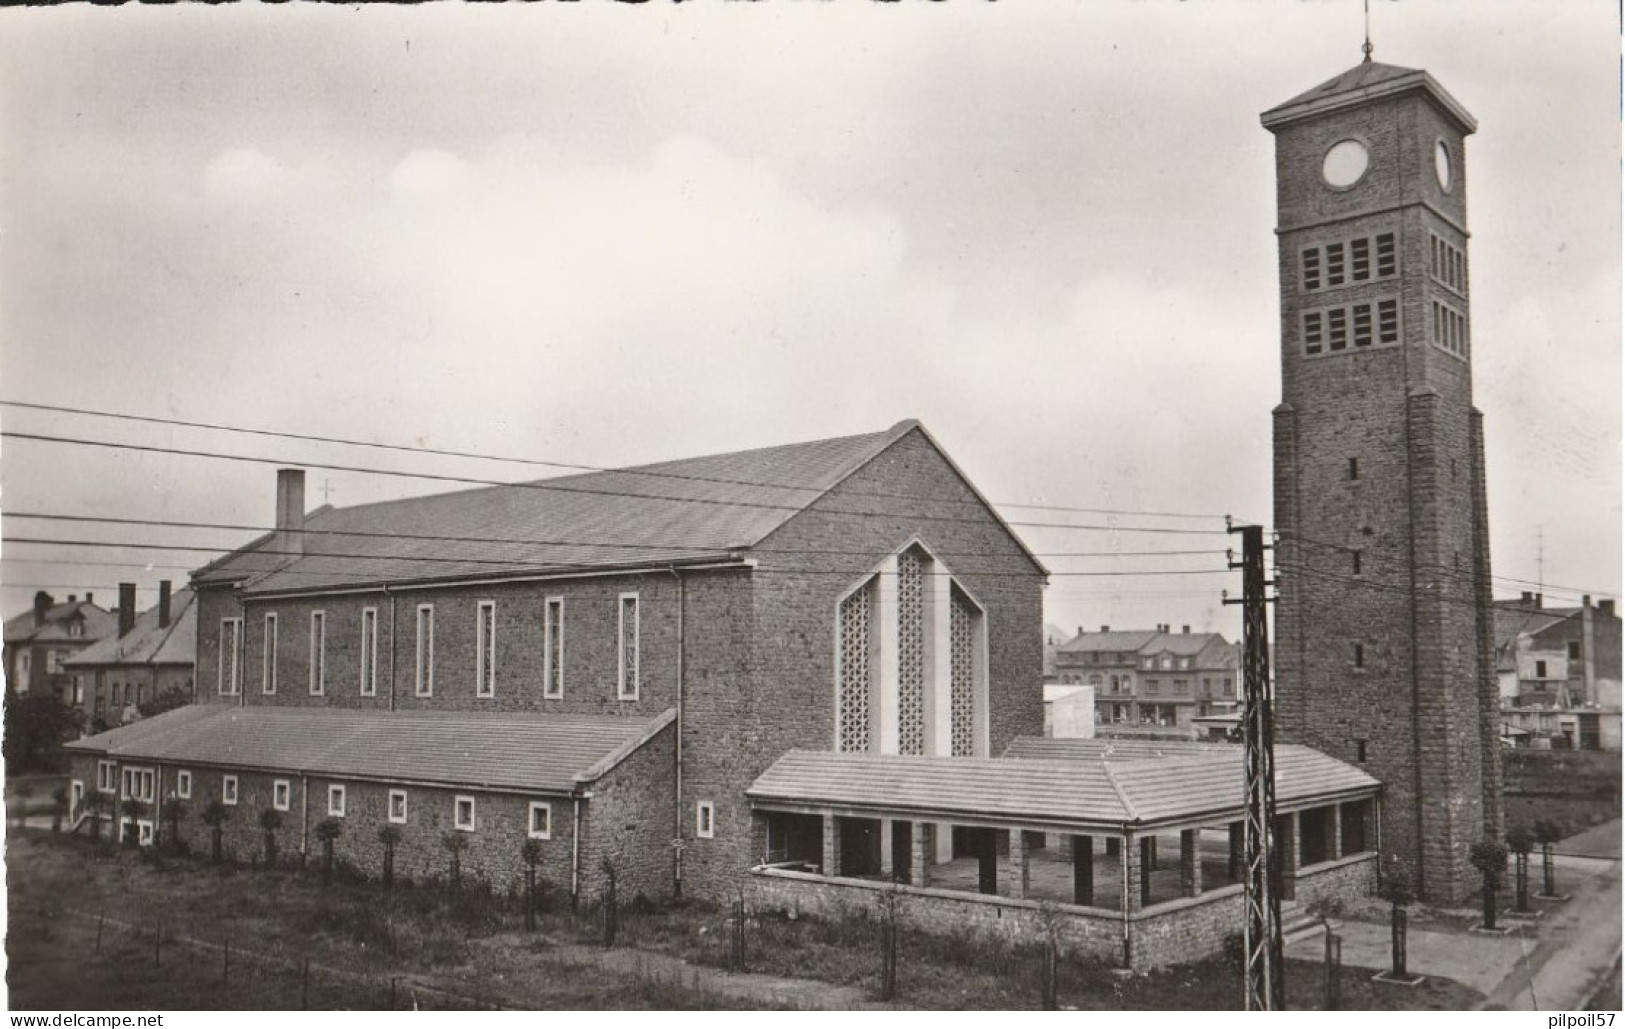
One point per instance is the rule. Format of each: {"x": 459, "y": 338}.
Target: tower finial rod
{"x": 1366, "y": 47}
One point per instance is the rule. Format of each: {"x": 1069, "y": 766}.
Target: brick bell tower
{"x": 1383, "y": 622}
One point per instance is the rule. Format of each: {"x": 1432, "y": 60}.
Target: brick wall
{"x": 1353, "y": 876}
{"x": 1421, "y": 701}
{"x": 629, "y": 820}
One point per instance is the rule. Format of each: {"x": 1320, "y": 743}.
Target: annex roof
{"x": 1368, "y": 80}
{"x": 695, "y": 511}
{"x": 148, "y": 643}
{"x": 1055, "y": 783}
{"x": 522, "y": 752}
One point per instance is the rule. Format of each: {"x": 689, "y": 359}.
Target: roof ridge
{"x": 1122, "y": 794}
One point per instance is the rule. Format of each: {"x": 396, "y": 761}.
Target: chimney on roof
{"x": 1606, "y": 606}
{"x": 1540, "y": 601}
{"x": 1103, "y": 628}
{"x": 90, "y": 598}
{"x": 42, "y": 604}
{"x": 1527, "y": 597}
{"x": 163, "y": 604}
{"x": 1185, "y": 629}
{"x": 126, "y": 608}
{"x": 290, "y": 512}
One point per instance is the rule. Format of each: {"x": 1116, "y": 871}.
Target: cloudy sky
{"x": 608, "y": 234}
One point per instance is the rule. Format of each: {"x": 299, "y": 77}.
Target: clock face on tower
{"x": 1345, "y": 163}
{"x": 1441, "y": 164}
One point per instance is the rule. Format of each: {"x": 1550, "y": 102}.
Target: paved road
{"x": 1600, "y": 841}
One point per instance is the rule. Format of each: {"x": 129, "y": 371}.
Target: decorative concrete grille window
{"x": 369, "y": 652}
{"x": 281, "y": 794}
{"x": 228, "y": 790}
{"x": 106, "y": 777}
{"x": 485, "y": 649}
{"x": 318, "y": 653}
{"x": 627, "y": 685}
{"x": 463, "y": 814}
{"x": 425, "y": 651}
{"x": 855, "y": 709}
{"x": 268, "y": 657}
{"x": 231, "y": 632}
{"x": 335, "y": 801}
{"x": 911, "y": 652}
{"x": 553, "y": 649}
{"x": 705, "y": 820}
{"x": 541, "y": 820}
{"x": 397, "y": 807}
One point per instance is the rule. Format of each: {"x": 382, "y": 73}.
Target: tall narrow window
{"x": 318, "y": 653}
{"x": 1385, "y": 254}
{"x": 485, "y": 646}
{"x": 1387, "y": 321}
{"x": 369, "y": 652}
{"x": 553, "y": 648}
{"x": 1334, "y": 264}
{"x": 1362, "y": 325}
{"x": 854, "y": 701}
{"x": 425, "y": 652}
{"x": 1354, "y": 468}
{"x": 268, "y": 669}
{"x": 1360, "y": 260}
{"x": 1359, "y": 655}
{"x": 1311, "y": 268}
{"x": 1355, "y": 557}
{"x": 231, "y": 633}
{"x": 1314, "y": 333}
{"x": 628, "y": 685}
{"x": 1337, "y": 329}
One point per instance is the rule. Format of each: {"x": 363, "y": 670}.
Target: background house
{"x": 1152, "y": 681}
{"x": 150, "y": 659}
{"x": 38, "y": 641}
{"x": 1559, "y": 672}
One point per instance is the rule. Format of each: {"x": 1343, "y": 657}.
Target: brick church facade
{"x": 618, "y": 655}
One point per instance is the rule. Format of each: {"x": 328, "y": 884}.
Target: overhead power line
{"x": 554, "y": 487}
{"x": 564, "y": 465}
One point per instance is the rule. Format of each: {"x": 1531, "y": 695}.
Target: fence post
{"x": 100, "y": 918}
{"x": 304, "y": 985}
{"x": 225, "y": 968}
{"x": 392, "y": 981}
{"x": 1334, "y": 964}
{"x": 157, "y": 946}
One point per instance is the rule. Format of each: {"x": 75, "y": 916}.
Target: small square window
{"x": 541, "y": 820}
{"x": 335, "y": 801}
{"x": 1574, "y": 650}
{"x": 1359, "y": 750}
{"x": 281, "y": 795}
{"x": 705, "y": 820}
{"x": 183, "y": 784}
{"x": 1359, "y": 655}
{"x": 228, "y": 790}
{"x": 397, "y": 807}
{"x": 1354, "y": 468}
{"x": 1354, "y": 556}
{"x": 463, "y": 814}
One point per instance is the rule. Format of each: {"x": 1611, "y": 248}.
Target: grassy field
{"x": 474, "y": 952}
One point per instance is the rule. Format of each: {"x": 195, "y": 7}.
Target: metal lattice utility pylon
{"x": 1265, "y": 984}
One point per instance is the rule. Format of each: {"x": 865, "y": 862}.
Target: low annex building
{"x": 986, "y": 842}
{"x": 633, "y": 647}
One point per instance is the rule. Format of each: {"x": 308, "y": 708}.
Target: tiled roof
{"x": 1057, "y": 782}
{"x": 98, "y": 623}
{"x": 1123, "y": 640}
{"x": 1172, "y": 780}
{"x": 1183, "y": 644}
{"x": 696, "y": 510}
{"x": 148, "y": 643}
{"x": 520, "y": 752}
{"x": 1366, "y": 80}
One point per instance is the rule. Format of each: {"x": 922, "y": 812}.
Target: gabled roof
{"x": 544, "y": 753}
{"x": 1515, "y": 618}
{"x": 98, "y": 623}
{"x": 1184, "y": 644}
{"x": 1057, "y": 782}
{"x": 1369, "y": 80}
{"x": 1128, "y": 641}
{"x": 693, "y": 511}
{"x": 148, "y": 643}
